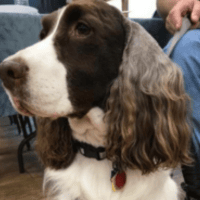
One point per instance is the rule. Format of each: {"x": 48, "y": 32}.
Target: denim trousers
{"x": 186, "y": 55}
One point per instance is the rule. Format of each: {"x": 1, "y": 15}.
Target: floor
{"x": 27, "y": 186}
{"x": 13, "y": 185}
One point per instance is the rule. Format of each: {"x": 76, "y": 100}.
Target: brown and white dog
{"x": 107, "y": 99}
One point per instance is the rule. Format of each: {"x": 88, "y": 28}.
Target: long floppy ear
{"x": 147, "y": 107}
{"x": 54, "y": 142}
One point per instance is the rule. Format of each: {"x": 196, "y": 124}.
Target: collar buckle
{"x": 90, "y": 151}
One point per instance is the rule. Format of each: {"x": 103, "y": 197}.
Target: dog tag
{"x": 118, "y": 180}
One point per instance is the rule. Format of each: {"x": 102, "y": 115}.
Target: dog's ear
{"x": 54, "y": 142}
{"x": 147, "y": 107}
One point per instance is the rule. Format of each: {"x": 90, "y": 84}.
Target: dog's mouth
{"x": 27, "y": 110}
{"x": 22, "y": 107}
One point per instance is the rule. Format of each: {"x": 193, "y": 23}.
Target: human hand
{"x": 182, "y": 8}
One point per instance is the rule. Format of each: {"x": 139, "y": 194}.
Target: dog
{"x": 111, "y": 107}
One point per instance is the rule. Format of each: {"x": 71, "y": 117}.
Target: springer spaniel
{"x": 110, "y": 106}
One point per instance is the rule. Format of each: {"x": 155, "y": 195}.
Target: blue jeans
{"x": 186, "y": 55}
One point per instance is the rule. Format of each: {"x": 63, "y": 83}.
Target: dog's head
{"x": 90, "y": 55}
{"x": 70, "y": 70}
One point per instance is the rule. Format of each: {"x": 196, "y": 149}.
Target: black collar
{"x": 90, "y": 151}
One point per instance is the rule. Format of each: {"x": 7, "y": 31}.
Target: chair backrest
{"x": 17, "y": 31}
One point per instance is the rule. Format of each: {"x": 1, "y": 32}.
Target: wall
{"x": 44, "y": 6}
{"x": 138, "y": 8}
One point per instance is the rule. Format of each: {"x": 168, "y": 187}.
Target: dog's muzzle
{"x": 13, "y": 74}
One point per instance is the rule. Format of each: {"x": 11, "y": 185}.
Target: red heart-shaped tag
{"x": 118, "y": 181}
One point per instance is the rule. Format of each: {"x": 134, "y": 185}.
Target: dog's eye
{"x": 42, "y": 34}
{"x": 82, "y": 29}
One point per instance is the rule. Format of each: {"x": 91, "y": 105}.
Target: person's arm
{"x": 172, "y": 11}
{"x": 164, "y": 7}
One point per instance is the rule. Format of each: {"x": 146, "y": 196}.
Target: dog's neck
{"x": 91, "y": 128}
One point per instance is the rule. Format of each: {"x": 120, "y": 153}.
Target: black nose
{"x": 12, "y": 72}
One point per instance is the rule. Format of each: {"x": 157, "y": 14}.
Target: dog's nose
{"x": 11, "y": 72}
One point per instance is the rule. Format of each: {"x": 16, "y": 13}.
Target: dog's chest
{"x": 84, "y": 179}
{"x": 89, "y": 179}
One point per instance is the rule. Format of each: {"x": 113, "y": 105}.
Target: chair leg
{"x": 11, "y": 119}
{"x": 27, "y": 120}
{"x": 16, "y": 121}
{"x": 24, "y": 142}
{"x": 23, "y": 126}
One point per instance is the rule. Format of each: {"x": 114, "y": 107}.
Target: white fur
{"x": 89, "y": 179}
{"x": 46, "y": 84}
{"x": 91, "y": 128}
